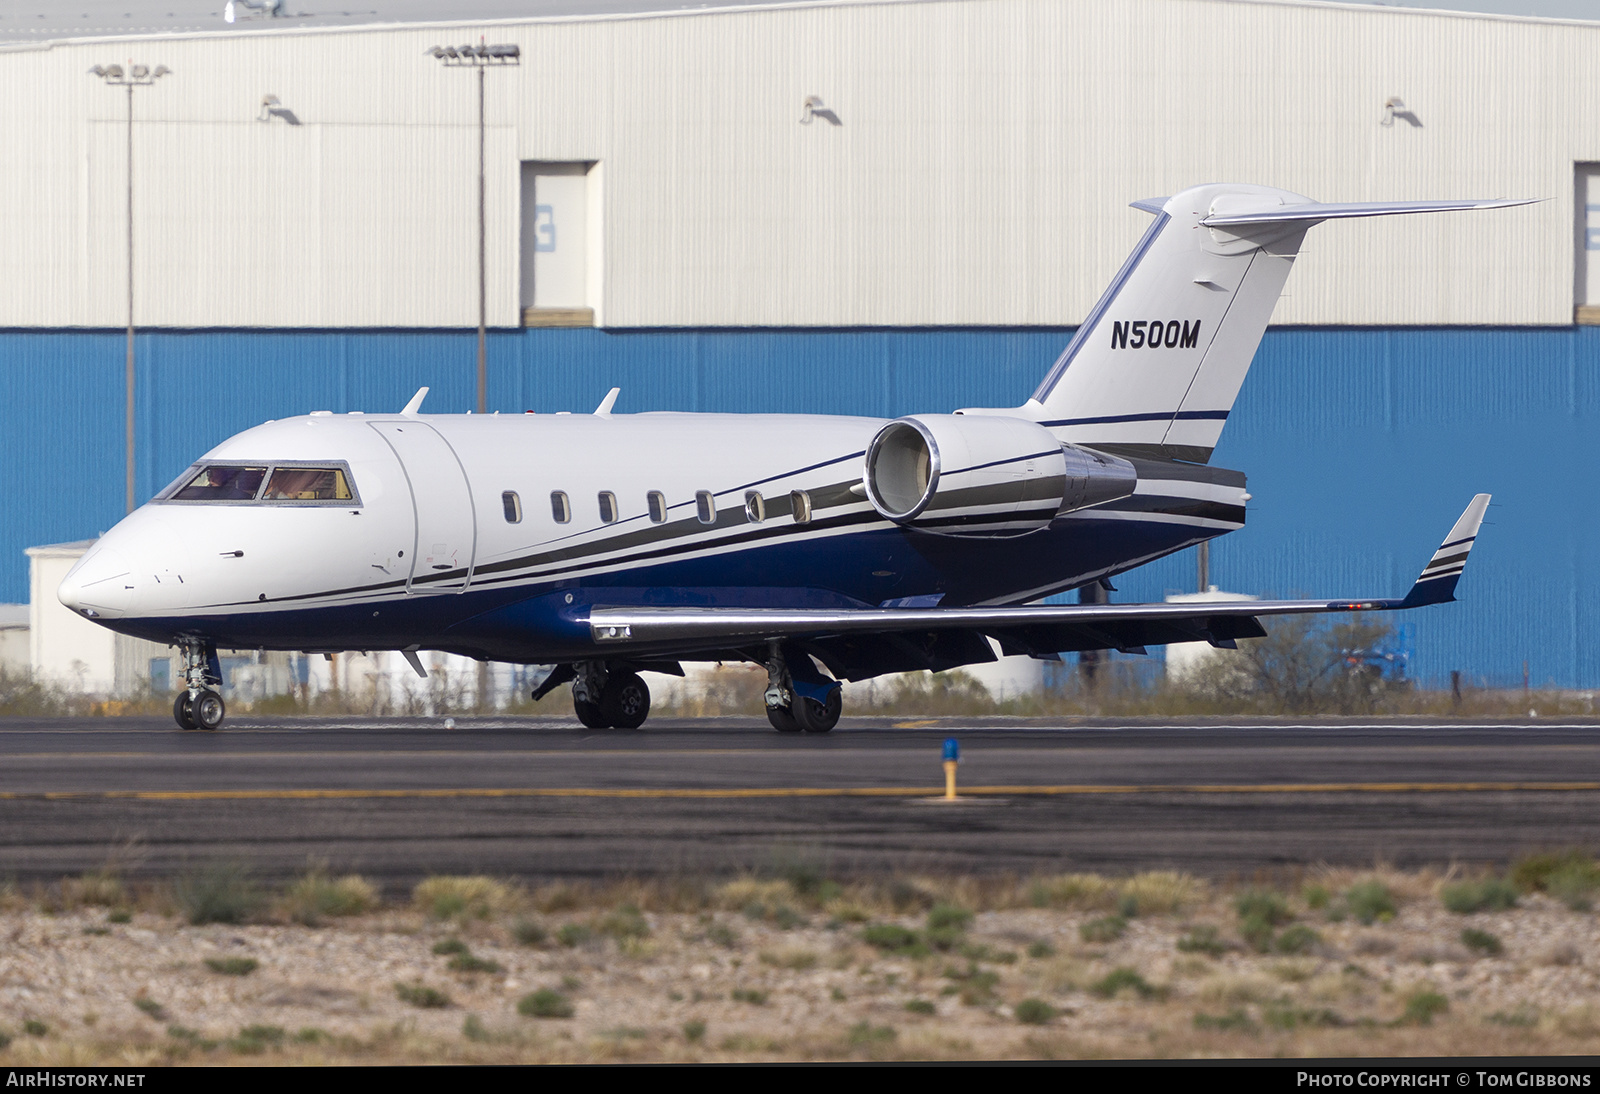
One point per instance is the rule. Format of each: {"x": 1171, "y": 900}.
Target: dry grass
{"x": 707, "y": 970}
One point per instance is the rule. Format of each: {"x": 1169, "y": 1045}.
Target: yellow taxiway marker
{"x": 792, "y": 791}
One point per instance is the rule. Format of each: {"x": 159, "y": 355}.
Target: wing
{"x": 858, "y": 643}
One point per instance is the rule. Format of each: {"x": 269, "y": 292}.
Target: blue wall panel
{"x": 1361, "y": 445}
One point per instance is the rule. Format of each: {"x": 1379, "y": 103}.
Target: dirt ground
{"x": 1078, "y": 966}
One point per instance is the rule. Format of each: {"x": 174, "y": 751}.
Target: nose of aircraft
{"x": 100, "y": 585}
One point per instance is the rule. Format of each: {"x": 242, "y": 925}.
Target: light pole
{"x": 480, "y": 57}
{"x": 131, "y": 77}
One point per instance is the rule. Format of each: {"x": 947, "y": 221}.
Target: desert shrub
{"x": 694, "y": 1031}
{"x": 1574, "y": 884}
{"x": 895, "y": 939}
{"x": 462, "y": 897}
{"x": 626, "y": 922}
{"x": 947, "y": 923}
{"x": 529, "y": 932}
{"x": 1370, "y": 901}
{"x": 34, "y": 1028}
{"x": 1423, "y": 1006}
{"x": 253, "y": 1040}
{"x": 232, "y": 966}
{"x": 1041, "y": 948}
{"x": 865, "y": 1033}
{"x": 921, "y": 1006}
{"x": 314, "y": 896}
{"x": 1123, "y": 979}
{"x": 1159, "y": 892}
{"x": 1106, "y": 929}
{"x": 1490, "y": 895}
{"x": 1034, "y": 1012}
{"x": 1297, "y": 938}
{"x": 1087, "y": 892}
{"x": 152, "y": 1009}
{"x": 545, "y": 1003}
{"x": 219, "y": 893}
{"x": 748, "y": 995}
{"x": 467, "y": 962}
{"x": 447, "y": 946}
{"x": 96, "y": 888}
{"x": 574, "y": 934}
{"x": 1284, "y": 1017}
{"x": 1531, "y": 873}
{"x": 1235, "y": 1021}
{"x": 1481, "y": 942}
{"x": 1202, "y": 939}
{"x": 420, "y": 995}
{"x": 1263, "y": 904}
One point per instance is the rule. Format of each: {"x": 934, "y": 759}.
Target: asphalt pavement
{"x": 403, "y": 798}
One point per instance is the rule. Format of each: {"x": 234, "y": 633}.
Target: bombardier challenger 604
{"x": 824, "y": 548}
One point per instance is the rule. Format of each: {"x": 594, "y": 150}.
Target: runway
{"x": 400, "y": 799}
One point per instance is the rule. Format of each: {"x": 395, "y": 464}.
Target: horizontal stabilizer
{"x": 1248, "y": 212}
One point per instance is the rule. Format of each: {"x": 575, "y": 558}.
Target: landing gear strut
{"x": 198, "y": 706}
{"x": 799, "y": 698}
{"x": 609, "y": 699}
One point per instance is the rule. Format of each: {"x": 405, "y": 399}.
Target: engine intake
{"x": 985, "y": 475}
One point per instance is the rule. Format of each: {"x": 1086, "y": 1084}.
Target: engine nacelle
{"x": 985, "y": 475}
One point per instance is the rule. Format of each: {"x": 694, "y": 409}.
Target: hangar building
{"x": 852, "y": 207}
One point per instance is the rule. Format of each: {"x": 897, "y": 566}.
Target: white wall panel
{"x": 981, "y": 175}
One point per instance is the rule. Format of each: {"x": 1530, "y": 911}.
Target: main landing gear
{"x": 609, "y": 699}
{"x": 799, "y": 698}
{"x": 198, "y": 705}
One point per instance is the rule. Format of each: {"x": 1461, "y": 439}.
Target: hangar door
{"x": 556, "y": 237}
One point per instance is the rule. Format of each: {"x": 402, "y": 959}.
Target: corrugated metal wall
{"x": 980, "y": 177}
{"x": 1362, "y": 446}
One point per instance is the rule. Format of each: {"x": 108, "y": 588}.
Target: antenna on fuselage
{"x": 604, "y": 409}
{"x": 416, "y": 401}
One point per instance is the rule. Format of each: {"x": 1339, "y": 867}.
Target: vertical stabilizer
{"x": 1156, "y": 366}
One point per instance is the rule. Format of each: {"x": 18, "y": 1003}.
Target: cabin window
{"x": 306, "y": 484}
{"x": 705, "y": 507}
{"x": 560, "y": 507}
{"x": 222, "y": 484}
{"x": 513, "y": 507}
{"x": 658, "y": 507}
{"x": 800, "y": 506}
{"x": 608, "y": 507}
{"x": 755, "y": 510}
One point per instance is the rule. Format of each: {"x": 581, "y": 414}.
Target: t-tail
{"x": 1156, "y": 366}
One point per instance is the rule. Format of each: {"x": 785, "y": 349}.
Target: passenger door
{"x": 446, "y": 533}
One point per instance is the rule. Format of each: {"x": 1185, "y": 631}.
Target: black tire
{"x": 625, "y": 701}
{"x": 815, "y": 717}
{"x": 590, "y": 714}
{"x": 782, "y": 720}
{"x": 181, "y": 712}
{"x": 207, "y": 710}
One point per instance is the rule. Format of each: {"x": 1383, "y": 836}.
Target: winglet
{"x": 604, "y": 409}
{"x": 416, "y": 401}
{"x": 1437, "y": 584}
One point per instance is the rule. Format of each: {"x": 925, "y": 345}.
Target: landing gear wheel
{"x": 589, "y": 714}
{"x": 181, "y": 712}
{"x": 782, "y": 720}
{"x": 625, "y": 701}
{"x": 815, "y": 717}
{"x": 207, "y": 710}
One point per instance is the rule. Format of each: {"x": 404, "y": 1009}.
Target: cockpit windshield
{"x": 222, "y": 484}
{"x": 263, "y": 483}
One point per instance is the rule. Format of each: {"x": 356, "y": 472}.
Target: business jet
{"x": 822, "y": 548}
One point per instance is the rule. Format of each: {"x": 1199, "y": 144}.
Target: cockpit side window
{"x": 218, "y": 483}
{"x": 307, "y": 484}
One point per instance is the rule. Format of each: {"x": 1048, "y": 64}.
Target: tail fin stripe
{"x": 1456, "y": 542}
{"x": 1189, "y": 415}
{"x": 1092, "y": 320}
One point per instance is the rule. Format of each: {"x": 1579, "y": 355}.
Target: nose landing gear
{"x": 198, "y": 706}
